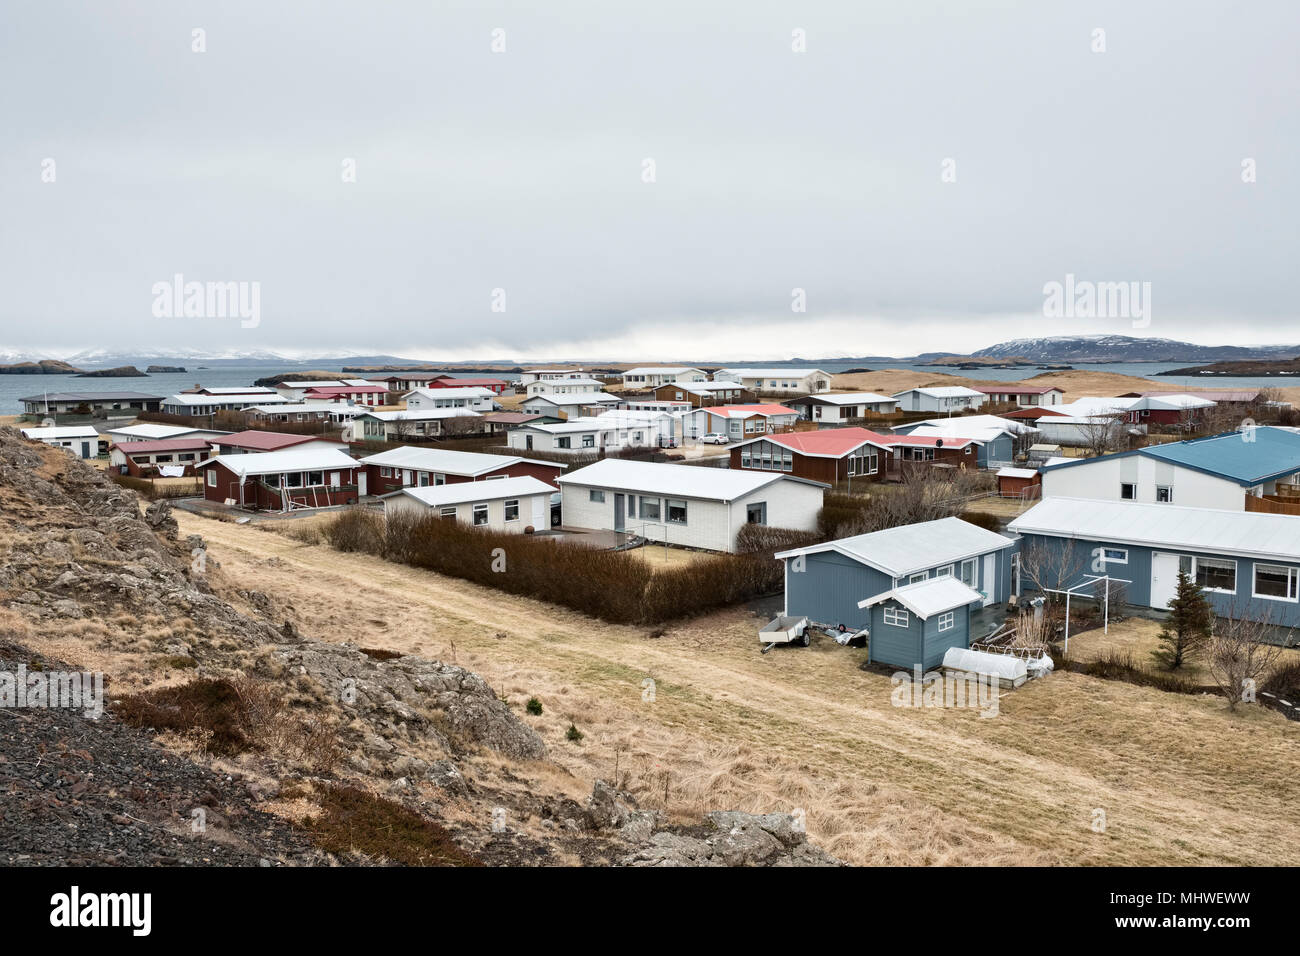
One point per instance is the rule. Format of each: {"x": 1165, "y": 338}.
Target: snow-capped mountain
{"x": 1127, "y": 348}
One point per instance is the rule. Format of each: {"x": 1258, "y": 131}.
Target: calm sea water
{"x": 14, "y": 387}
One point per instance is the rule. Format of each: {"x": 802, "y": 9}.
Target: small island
{"x": 163, "y": 369}
{"x": 43, "y": 367}
{"x": 122, "y": 371}
{"x": 1256, "y": 368}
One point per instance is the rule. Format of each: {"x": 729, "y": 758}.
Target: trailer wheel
{"x": 805, "y": 639}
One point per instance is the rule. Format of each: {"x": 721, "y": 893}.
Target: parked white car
{"x": 715, "y": 438}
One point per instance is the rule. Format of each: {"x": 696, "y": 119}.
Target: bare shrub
{"x": 1239, "y": 657}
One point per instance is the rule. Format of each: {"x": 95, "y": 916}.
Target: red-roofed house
{"x": 739, "y": 422}
{"x": 1032, "y": 414}
{"x": 832, "y": 455}
{"x": 253, "y": 441}
{"x": 143, "y": 458}
{"x": 495, "y": 385}
{"x": 370, "y": 395}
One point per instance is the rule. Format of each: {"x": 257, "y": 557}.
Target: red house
{"x": 495, "y": 385}
{"x": 283, "y": 480}
{"x": 409, "y": 466}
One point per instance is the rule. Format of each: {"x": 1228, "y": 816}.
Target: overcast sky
{"x": 524, "y": 171}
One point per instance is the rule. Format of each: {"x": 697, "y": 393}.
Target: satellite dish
{"x": 938, "y": 443}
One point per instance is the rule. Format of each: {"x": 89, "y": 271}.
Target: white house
{"x": 940, "y": 398}
{"x": 836, "y": 407}
{"x": 475, "y": 398}
{"x": 80, "y": 440}
{"x": 691, "y": 506}
{"x": 565, "y": 386}
{"x": 394, "y": 426}
{"x": 151, "y": 432}
{"x": 779, "y": 381}
{"x": 569, "y": 406}
{"x": 652, "y": 376}
{"x": 529, "y": 375}
{"x": 508, "y": 504}
{"x": 579, "y": 435}
{"x": 212, "y": 400}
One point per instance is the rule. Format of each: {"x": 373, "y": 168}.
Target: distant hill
{"x": 1128, "y": 348}
{"x": 42, "y": 367}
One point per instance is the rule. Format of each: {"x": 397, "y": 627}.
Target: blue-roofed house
{"x": 1234, "y": 471}
{"x": 1248, "y": 564}
{"x": 831, "y": 582}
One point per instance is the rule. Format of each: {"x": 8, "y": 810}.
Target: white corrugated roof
{"x": 420, "y": 414}
{"x": 60, "y": 431}
{"x": 446, "y": 462}
{"x": 468, "y": 391}
{"x": 965, "y": 426}
{"x": 662, "y": 370}
{"x": 913, "y": 547}
{"x": 852, "y": 398}
{"x": 465, "y": 491}
{"x": 582, "y": 398}
{"x": 154, "y": 432}
{"x": 929, "y": 597}
{"x": 686, "y": 481}
{"x": 776, "y": 373}
{"x": 1017, "y": 472}
{"x": 944, "y": 391}
{"x": 1165, "y": 526}
{"x": 289, "y": 460}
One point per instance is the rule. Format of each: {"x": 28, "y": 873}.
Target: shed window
{"x": 481, "y": 514}
{"x": 896, "y": 616}
{"x": 212, "y": 477}
{"x": 946, "y": 621}
{"x": 1276, "y": 581}
{"x": 1215, "y": 574}
{"x": 596, "y": 496}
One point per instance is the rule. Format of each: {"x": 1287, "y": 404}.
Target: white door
{"x": 1164, "y": 578}
{"x": 361, "y": 483}
{"x": 539, "y": 513}
{"x": 989, "y": 578}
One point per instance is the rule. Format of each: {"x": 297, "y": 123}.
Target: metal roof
{"x": 90, "y": 397}
{"x": 1165, "y": 526}
{"x": 770, "y": 372}
{"x": 447, "y": 462}
{"x": 913, "y": 547}
{"x": 741, "y": 411}
{"x": 162, "y": 444}
{"x": 943, "y": 391}
{"x": 289, "y": 460}
{"x": 60, "y": 431}
{"x": 929, "y": 597}
{"x": 264, "y": 441}
{"x": 826, "y": 442}
{"x": 148, "y": 432}
{"x": 466, "y": 491}
{"x": 845, "y": 398}
{"x": 686, "y": 481}
{"x": 1245, "y": 457}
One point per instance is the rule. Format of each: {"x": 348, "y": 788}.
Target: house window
{"x": 588, "y": 441}
{"x": 1128, "y": 491}
{"x": 1165, "y": 493}
{"x": 1276, "y": 581}
{"x": 596, "y": 496}
{"x": 446, "y": 512}
{"x": 650, "y": 509}
{"x": 756, "y": 513}
{"x": 212, "y": 478}
{"x": 1216, "y": 574}
{"x": 294, "y": 479}
{"x": 968, "y": 572}
{"x": 896, "y": 616}
{"x": 943, "y": 572}
{"x": 918, "y": 577}
{"x": 481, "y": 514}
{"x": 562, "y": 442}
{"x": 676, "y": 511}
{"x": 315, "y": 477}
{"x": 946, "y": 621}
{"x": 512, "y": 509}
{"x": 1114, "y": 555}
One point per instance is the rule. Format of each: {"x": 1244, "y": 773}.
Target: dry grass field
{"x": 1180, "y": 779}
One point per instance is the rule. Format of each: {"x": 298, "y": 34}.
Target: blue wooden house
{"x": 1248, "y": 563}
{"x": 914, "y": 625}
{"x": 829, "y": 582}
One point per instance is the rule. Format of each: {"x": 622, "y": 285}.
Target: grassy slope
{"x": 1180, "y": 780}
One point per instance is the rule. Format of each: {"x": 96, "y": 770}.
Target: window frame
{"x": 507, "y": 505}
{"x": 480, "y": 509}
{"x": 951, "y": 619}
{"x": 1196, "y": 570}
{"x": 1106, "y": 559}
{"x": 1293, "y": 582}
{"x": 897, "y": 616}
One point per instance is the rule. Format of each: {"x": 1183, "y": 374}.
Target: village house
{"x": 335, "y": 413}
{"x": 99, "y": 404}
{"x": 471, "y": 397}
{"x": 570, "y": 406}
{"x": 402, "y": 425}
{"x": 501, "y": 422}
{"x": 996, "y": 436}
{"x": 494, "y": 385}
{"x": 529, "y": 375}
{"x": 837, "y": 583}
{"x": 521, "y": 504}
{"x": 829, "y": 455}
{"x": 423, "y": 467}
{"x": 702, "y": 394}
{"x": 681, "y": 505}
{"x": 253, "y": 441}
{"x": 402, "y": 382}
{"x": 1248, "y": 565}
{"x": 1021, "y": 483}
{"x": 1236, "y": 471}
{"x": 777, "y": 381}
{"x": 1169, "y": 409}
{"x": 651, "y": 405}
{"x": 582, "y": 435}
{"x": 358, "y": 390}
{"x": 738, "y": 422}
{"x": 940, "y": 398}
{"x": 834, "y": 408}
{"x": 169, "y": 457}
{"x": 1023, "y": 395}
{"x": 81, "y": 440}
{"x": 147, "y": 431}
{"x": 565, "y": 386}
{"x": 283, "y": 480}
{"x": 209, "y": 401}
{"x": 652, "y": 376}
